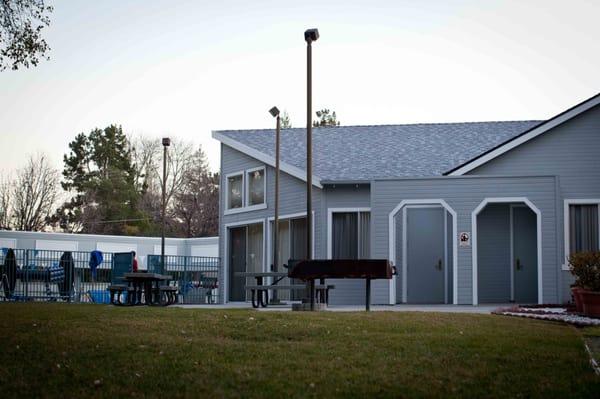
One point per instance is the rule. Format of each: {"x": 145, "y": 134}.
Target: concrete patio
{"x": 480, "y": 309}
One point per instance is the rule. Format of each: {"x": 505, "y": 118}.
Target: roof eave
{"x": 267, "y": 159}
{"x": 524, "y": 137}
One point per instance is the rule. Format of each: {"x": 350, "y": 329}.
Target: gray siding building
{"x": 469, "y": 213}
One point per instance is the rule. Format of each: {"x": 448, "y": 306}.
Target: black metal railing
{"x": 196, "y": 277}
{"x": 66, "y": 276}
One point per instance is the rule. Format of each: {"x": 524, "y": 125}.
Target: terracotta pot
{"x": 591, "y": 302}
{"x": 576, "y": 291}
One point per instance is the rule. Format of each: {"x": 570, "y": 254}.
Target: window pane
{"x": 298, "y": 238}
{"x": 254, "y": 257}
{"x": 298, "y": 250}
{"x": 345, "y": 236}
{"x": 256, "y": 181}
{"x": 234, "y": 185}
{"x": 583, "y": 228}
{"x": 364, "y": 250}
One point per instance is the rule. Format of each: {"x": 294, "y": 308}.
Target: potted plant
{"x": 585, "y": 266}
{"x": 576, "y": 294}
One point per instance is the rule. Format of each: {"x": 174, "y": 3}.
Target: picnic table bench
{"x": 260, "y": 290}
{"x": 146, "y": 283}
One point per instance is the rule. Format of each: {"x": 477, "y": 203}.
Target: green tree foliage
{"x": 326, "y": 118}
{"x": 100, "y": 175}
{"x": 21, "y": 41}
{"x": 285, "y": 121}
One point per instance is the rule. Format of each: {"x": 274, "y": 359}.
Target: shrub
{"x": 585, "y": 266}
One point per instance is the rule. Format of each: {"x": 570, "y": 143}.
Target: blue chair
{"x": 121, "y": 293}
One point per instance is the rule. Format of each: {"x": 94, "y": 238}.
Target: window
{"x": 235, "y": 190}
{"x": 245, "y": 190}
{"x": 583, "y": 228}
{"x": 256, "y": 186}
{"x": 351, "y": 235}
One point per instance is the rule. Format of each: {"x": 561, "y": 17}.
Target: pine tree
{"x": 100, "y": 174}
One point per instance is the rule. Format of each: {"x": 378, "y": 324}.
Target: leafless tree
{"x": 147, "y": 154}
{"x": 196, "y": 205}
{"x": 5, "y": 203}
{"x": 35, "y": 193}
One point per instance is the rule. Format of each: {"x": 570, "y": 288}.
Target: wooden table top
{"x": 146, "y": 276}
{"x": 261, "y": 274}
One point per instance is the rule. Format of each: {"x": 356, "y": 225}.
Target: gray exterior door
{"x": 525, "y": 255}
{"x": 425, "y": 255}
{"x": 237, "y": 263}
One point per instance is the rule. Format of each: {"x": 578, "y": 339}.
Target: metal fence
{"x": 65, "y": 276}
{"x": 196, "y": 277}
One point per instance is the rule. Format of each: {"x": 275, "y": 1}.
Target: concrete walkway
{"x": 481, "y": 309}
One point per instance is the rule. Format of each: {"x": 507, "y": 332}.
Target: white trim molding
{"x": 225, "y": 259}
{"x": 268, "y": 159}
{"x": 330, "y": 212}
{"x": 566, "y": 218}
{"x": 392, "y": 244}
{"x": 230, "y": 211}
{"x": 245, "y": 187}
{"x": 534, "y": 132}
{"x": 504, "y": 200}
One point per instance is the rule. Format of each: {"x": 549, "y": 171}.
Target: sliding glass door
{"x": 245, "y": 255}
{"x": 291, "y": 245}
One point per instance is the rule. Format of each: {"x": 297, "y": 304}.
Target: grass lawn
{"x": 53, "y": 350}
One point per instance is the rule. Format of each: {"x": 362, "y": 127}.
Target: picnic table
{"x": 147, "y": 283}
{"x": 260, "y": 290}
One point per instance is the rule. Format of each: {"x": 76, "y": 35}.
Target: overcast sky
{"x": 185, "y": 68}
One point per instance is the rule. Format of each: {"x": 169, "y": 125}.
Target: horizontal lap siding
{"x": 570, "y": 151}
{"x": 464, "y": 195}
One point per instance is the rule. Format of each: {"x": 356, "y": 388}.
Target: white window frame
{"x": 330, "y": 212}
{"x": 567, "y": 217}
{"x": 229, "y": 211}
{"x": 248, "y": 207}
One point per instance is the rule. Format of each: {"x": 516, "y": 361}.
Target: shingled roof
{"x": 364, "y": 153}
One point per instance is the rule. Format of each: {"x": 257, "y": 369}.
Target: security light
{"x": 311, "y": 35}
{"x": 274, "y": 111}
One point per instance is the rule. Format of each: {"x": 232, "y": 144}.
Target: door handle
{"x": 439, "y": 264}
{"x": 518, "y": 264}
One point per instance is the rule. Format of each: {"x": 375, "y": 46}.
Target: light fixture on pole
{"x": 166, "y": 142}
{"x": 275, "y": 113}
{"x": 310, "y": 35}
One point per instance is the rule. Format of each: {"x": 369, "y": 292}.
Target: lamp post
{"x": 310, "y": 35}
{"x": 166, "y": 142}
{"x": 275, "y": 113}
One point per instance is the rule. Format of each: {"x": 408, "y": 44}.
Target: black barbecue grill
{"x": 369, "y": 269}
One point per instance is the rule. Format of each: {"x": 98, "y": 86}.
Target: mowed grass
{"x": 53, "y": 350}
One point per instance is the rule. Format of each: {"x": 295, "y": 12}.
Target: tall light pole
{"x": 275, "y": 113}
{"x": 166, "y": 142}
{"x": 310, "y": 35}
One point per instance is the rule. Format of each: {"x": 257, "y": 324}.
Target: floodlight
{"x": 274, "y": 111}
{"x": 311, "y": 35}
